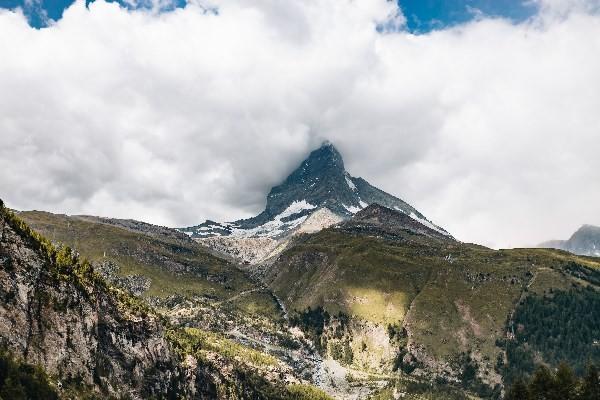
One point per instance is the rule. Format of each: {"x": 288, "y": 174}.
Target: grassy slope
{"x": 356, "y": 275}
{"x": 449, "y": 307}
{"x": 173, "y": 267}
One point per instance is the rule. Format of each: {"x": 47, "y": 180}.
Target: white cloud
{"x": 491, "y": 129}
{"x": 564, "y": 8}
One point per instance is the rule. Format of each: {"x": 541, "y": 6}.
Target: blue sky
{"x": 422, "y": 15}
{"x": 39, "y": 12}
{"x": 425, "y": 15}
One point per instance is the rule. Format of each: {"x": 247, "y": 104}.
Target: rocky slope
{"x": 58, "y": 314}
{"x": 585, "y": 241}
{"x": 391, "y": 222}
{"x": 321, "y": 186}
{"x": 94, "y": 340}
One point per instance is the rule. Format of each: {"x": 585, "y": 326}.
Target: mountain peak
{"x": 328, "y": 148}
{"x": 585, "y": 241}
{"x": 319, "y": 182}
{"x": 589, "y": 228}
{"x": 319, "y": 162}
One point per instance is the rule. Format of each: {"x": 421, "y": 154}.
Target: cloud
{"x": 563, "y": 8}
{"x": 489, "y": 128}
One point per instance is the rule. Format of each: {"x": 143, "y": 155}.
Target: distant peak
{"x": 585, "y": 229}
{"x": 321, "y": 181}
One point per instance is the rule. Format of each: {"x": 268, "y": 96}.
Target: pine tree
{"x": 590, "y": 388}
{"x": 542, "y": 387}
{"x": 518, "y": 391}
{"x": 565, "y": 383}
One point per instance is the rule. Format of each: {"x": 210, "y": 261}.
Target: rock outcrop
{"x": 59, "y": 314}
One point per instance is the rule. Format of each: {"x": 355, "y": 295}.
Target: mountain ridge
{"x": 320, "y": 182}
{"x": 585, "y": 241}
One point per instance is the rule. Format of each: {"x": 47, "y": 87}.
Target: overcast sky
{"x": 491, "y": 128}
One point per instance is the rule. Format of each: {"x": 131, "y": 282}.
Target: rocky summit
{"x": 585, "y": 241}
{"x": 320, "y": 192}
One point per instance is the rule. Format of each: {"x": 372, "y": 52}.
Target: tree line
{"x": 561, "y": 384}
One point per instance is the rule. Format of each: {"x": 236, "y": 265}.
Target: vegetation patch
{"x": 312, "y": 322}
{"x": 22, "y": 381}
{"x": 173, "y": 267}
{"x": 559, "y": 385}
{"x": 558, "y": 326}
{"x": 198, "y": 342}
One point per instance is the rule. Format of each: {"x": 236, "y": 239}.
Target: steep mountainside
{"x": 391, "y": 293}
{"x": 154, "y": 262}
{"x": 60, "y": 315}
{"x": 95, "y": 341}
{"x": 585, "y": 241}
{"x": 319, "y": 185}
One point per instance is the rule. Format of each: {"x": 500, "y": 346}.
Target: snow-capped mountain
{"x": 585, "y": 241}
{"x": 320, "y": 182}
{"x": 318, "y": 194}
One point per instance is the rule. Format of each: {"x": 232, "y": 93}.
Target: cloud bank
{"x": 490, "y": 128}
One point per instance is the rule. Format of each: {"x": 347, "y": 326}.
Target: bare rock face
{"x": 257, "y": 250}
{"x": 134, "y": 284}
{"x": 76, "y": 331}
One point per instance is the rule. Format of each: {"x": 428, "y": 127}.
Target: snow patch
{"x": 351, "y": 184}
{"x": 270, "y": 229}
{"x": 276, "y": 226}
{"x": 428, "y": 224}
{"x": 351, "y": 209}
{"x": 295, "y": 208}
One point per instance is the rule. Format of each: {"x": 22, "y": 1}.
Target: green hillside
{"x": 446, "y": 306}
{"x": 175, "y": 265}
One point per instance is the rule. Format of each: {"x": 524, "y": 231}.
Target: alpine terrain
{"x": 318, "y": 194}
{"x": 337, "y": 290}
{"x": 585, "y": 241}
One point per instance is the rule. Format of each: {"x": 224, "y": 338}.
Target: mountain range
{"x": 337, "y": 290}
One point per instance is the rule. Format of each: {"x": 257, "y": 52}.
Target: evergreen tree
{"x": 565, "y": 383}
{"x": 542, "y": 386}
{"x": 519, "y": 391}
{"x": 590, "y": 387}
{"x": 561, "y": 385}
